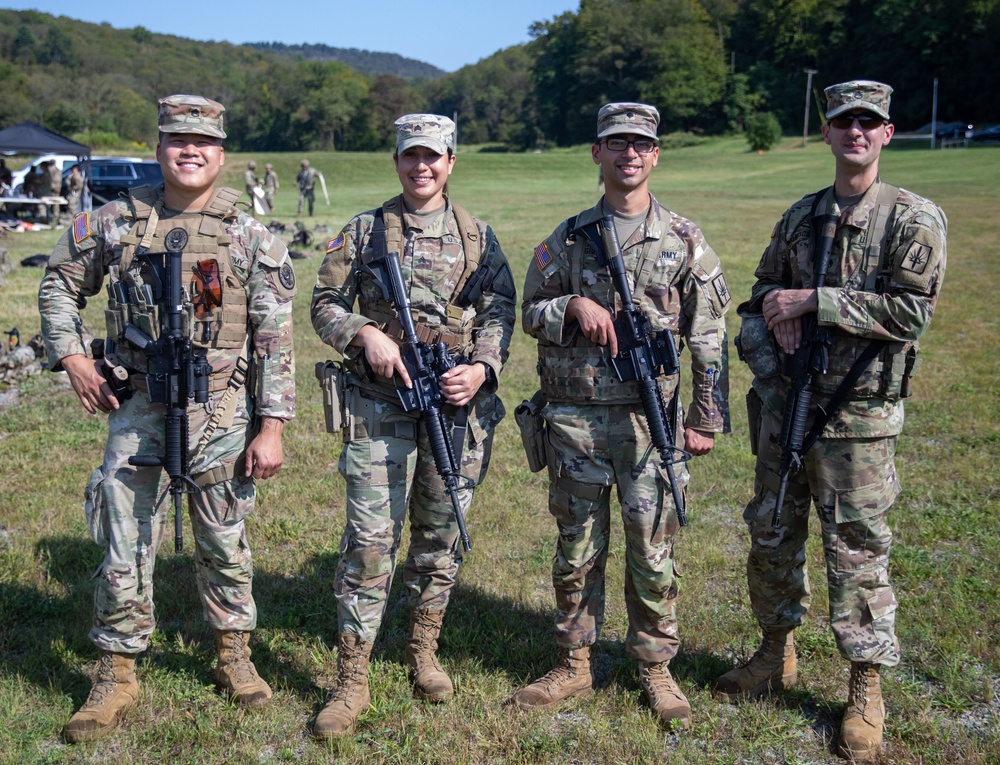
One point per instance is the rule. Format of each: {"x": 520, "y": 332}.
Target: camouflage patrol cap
{"x": 191, "y": 114}
{"x": 640, "y": 119}
{"x": 251, "y": 165}
{"x": 858, "y": 94}
{"x": 431, "y": 130}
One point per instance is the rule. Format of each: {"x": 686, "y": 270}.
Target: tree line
{"x": 708, "y": 65}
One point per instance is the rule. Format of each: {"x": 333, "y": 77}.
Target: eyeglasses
{"x": 865, "y": 121}
{"x": 641, "y": 145}
{"x": 206, "y": 288}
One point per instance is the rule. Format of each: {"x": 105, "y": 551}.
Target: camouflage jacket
{"x": 685, "y": 290}
{"x": 898, "y": 310}
{"x": 86, "y": 254}
{"x": 431, "y": 264}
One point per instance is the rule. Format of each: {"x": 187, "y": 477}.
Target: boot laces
{"x": 106, "y": 683}
{"x": 861, "y": 686}
{"x": 656, "y": 677}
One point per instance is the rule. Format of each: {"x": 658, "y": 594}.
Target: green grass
{"x": 942, "y": 699}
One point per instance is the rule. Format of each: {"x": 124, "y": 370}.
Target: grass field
{"x": 943, "y": 699}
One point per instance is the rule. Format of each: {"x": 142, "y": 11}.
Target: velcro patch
{"x": 722, "y": 289}
{"x": 667, "y": 256}
{"x": 81, "y": 227}
{"x": 916, "y": 258}
{"x": 336, "y": 243}
{"x": 542, "y": 256}
{"x": 286, "y": 275}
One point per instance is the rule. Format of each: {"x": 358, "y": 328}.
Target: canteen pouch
{"x": 93, "y": 507}
{"x": 331, "y": 377}
{"x": 530, "y": 422}
{"x": 755, "y": 346}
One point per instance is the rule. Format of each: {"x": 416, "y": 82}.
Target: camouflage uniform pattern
{"x": 593, "y": 444}
{"x": 386, "y": 460}
{"x": 127, "y": 507}
{"x": 271, "y": 187}
{"x": 850, "y": 474}
{"x": 306, "y": 179}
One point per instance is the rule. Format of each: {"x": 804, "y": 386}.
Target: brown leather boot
{"x": 664, "y": 695}
{"x": 864, "y": 718}
{"x": 114, "y": 692}
{"x": 350, "y": 696}
{"x": 235, "y": 674}
{"x": 430, "y": 681}
{"x": 772, "y": 668}
{"x": 570, "y": 677}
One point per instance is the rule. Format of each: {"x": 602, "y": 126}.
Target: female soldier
{"x": 461, "y": 293}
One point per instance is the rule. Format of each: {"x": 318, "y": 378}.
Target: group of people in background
{"x": 884, "y": 255}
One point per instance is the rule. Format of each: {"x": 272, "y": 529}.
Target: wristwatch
{"x": 490, "y": 376}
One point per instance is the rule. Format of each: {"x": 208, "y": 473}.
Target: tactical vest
{"x": 456, "y": 332}
{"x": 132, "y": 289}
{"x": 888, "y": 375}
{"x": 582, "y": 372}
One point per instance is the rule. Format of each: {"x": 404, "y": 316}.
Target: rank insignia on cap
{"x": 336, "y": 243}
{"x": 81, "y": 227}
{"x": 542, "y": 256}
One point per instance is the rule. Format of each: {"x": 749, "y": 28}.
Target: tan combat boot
{"x": 772, "y": 668}
{"x": 864, "y": 718}
{"x": 350, "y": 696}
{"x": 115, "y": 691}
{"x": 430, "y": 681}
{"x": 570, "y": 677}
{"x": 664, "y": 695}
{"x": 235, "y": 674}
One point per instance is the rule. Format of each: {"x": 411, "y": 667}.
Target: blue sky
{"x": 446, "y": 33}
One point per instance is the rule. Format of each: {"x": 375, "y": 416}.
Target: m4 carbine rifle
{"x": 177, "y": 373}
{"x": 644, "y": 355}
{"x": 809, "y": 360}
{"x": 424, "y": 364}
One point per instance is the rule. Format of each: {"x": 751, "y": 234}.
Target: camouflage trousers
{"x": 589, "y": 449}
{"x": 853, "y": 483}
{"x": 130, "y": 513}
{"x": 390, "y": 473}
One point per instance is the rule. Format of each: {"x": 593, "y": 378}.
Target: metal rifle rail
{"x": 809, "y": 360}
{"x": 643, "y": 355}
{"x": 424, "y": 364}
{"x": 179, "y": 374}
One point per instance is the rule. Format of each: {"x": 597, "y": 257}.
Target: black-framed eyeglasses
{"x": 641, "y": 145}
{"x": 865, "y": 121}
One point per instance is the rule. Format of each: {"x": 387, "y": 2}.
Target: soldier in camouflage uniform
{"x": 240, "y": 301}
{"x": 597, "y": 432}
{"x": 882, "y": 284}
{"x": 250, "y": 180}
{"x": 462, "y": 294}
{"x": 271, "y": 185}
{"x": 306, "y": 179}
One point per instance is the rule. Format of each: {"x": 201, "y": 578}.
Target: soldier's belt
{"x": 425, "y": 334}
{"x": 216, "y": 382}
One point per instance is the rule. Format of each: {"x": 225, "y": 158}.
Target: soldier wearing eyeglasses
{"x": 238, "y": 285}
{"x": 883, "y": 277}
{"x": 597, "y": 434}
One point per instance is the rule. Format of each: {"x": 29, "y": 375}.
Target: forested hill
{"x": 364, "y": 61}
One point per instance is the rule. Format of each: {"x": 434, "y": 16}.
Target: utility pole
{"x": 805, "y": 120}
{"x": 934, "y": 116}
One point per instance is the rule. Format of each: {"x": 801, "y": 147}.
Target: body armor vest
{"x": 217, "y": 319}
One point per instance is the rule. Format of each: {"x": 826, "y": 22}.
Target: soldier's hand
{"x": 265, "y": 454}
{"x": 91, "y": 388}
{"x": 698, "y": 442}
{"x": 460, "y": 383}
{"x": 381, "y": 353}
{"x": 594, "y": 320}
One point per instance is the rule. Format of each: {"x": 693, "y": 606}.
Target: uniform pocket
{"x": 94, "y": 509}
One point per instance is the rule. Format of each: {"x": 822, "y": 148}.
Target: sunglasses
{"x": 641, "y": 145}
{"x": 865, "y": 121}
{"x": 206, "y": 288}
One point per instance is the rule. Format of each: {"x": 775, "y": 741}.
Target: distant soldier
{"x": 6, "y": 178}
{"x": 74, "y": 189}
{"x": 307, "y": 186}
{"x": 598, "y": 438}
{"x": 251, "y": 181}
{"x": 271, "y": 185}
{"x": 882, "y": 250}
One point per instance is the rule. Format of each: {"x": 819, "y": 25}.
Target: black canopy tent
{"x": 31, "y": 138}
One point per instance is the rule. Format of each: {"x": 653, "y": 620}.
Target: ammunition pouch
{"x": 530, "y": 422}
{"x": 332, "y": 379}
{"x": 755, "y": 346}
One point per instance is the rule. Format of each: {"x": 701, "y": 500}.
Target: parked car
{"x": 17, "y": 177}
{"x": 945, "y": 129}
{"x": 989, "y": 134}
{"x": 111, "y": 177}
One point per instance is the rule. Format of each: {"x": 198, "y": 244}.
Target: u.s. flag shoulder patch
{"x": 81, "y": 227}
{"x": 543, "y": 258}
{"x": 336, "y": 243}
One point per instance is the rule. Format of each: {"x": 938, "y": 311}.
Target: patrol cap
{"x": 251, "y": 165}
{"x": 431, "y": 130}
{"x": 191, "y": 114}
{"x": 627, "y": 117}
{"x": 858, "y": 94}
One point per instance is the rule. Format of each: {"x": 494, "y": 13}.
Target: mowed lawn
{"x": 942, "y": 699}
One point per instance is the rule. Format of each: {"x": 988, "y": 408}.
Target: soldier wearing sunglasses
{"x": 883, "y": 276}
{"x": 238, "y": 285}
